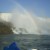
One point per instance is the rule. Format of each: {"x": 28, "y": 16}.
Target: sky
{"x": 39, "y": 7}
{"x": 33, "y": 15}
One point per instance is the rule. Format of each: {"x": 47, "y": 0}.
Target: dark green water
{"x": 25, "y": 41}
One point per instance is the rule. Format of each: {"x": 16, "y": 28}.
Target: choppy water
{"x": 26, "y": 41}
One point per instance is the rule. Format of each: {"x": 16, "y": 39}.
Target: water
{"x": 26, "y": 41}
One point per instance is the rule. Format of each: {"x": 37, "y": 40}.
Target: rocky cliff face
{"x": 5, "y": 28}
